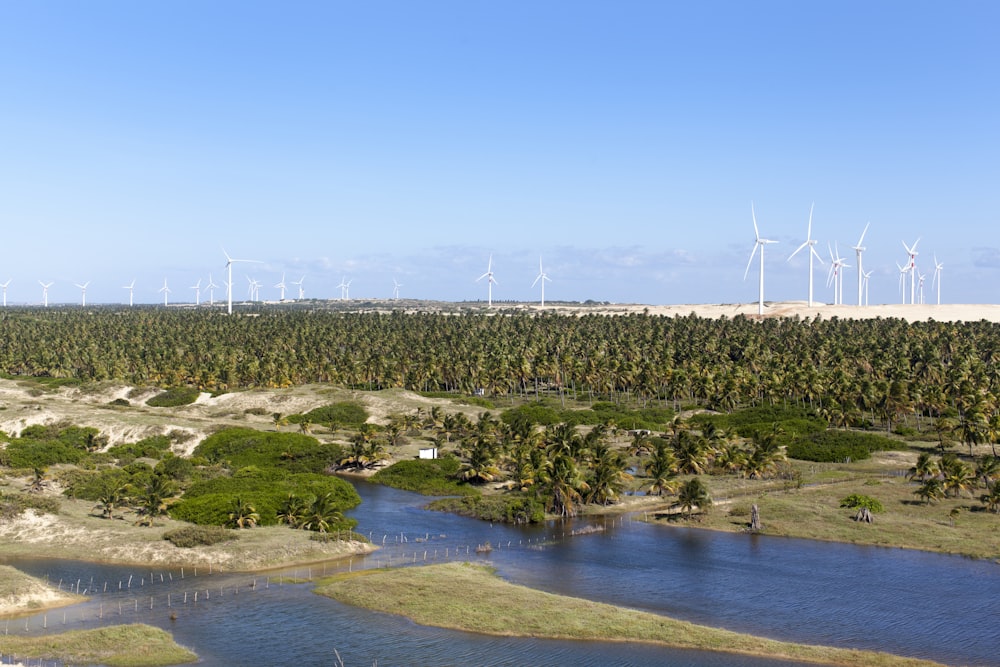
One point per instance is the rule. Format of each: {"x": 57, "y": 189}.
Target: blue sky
{"x": 378, "y": 141}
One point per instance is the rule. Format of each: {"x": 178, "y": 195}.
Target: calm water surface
{"x": 912, "y": 603}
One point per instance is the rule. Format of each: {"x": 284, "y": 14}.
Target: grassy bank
{"x": 125, "y": 645}
{"x": 470, "y": 598}
{"x": 952, "y": 525}
{"x": 23, "y": 594}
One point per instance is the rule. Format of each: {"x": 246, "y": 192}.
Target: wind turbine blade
{"x": 863, "y": 234}
{"x": 753, "y": 215}
{"x": 809, "y": 229}
{"x": 812, "y": 249}
{"x": 750, "y": 261}
{"x": 537, "y": 278}
{"x": 797, "y": 250}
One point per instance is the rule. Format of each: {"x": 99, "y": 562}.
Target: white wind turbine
{"x": 490, "y": 281}
{"x": 130, "y": 287}
{"x": 281, "y": 286}
{"x": 912, "y": 252}
{"x": 920, "y": 287}
{"x": 759, "y": 243}
{"x": 541, "y": 277}
{"x": 395, "y": 289}
{"x": 229, "y": 283}
{"x": 211, "y": 290}
{"x": 903, "y": 270}
{"x": 809, "y": 242}
{"x": 866, "y": 276}
{"x": 858, "y": 249}
{"x": 165, "y": 290}
{"x": 83, "y": 293}
{"x": 836, "y": 276}
{"x": 4, "y": 287}
{"x": 302, "y": 292}
{"x": 253, "y": 289}
{"x": 197, "y": 292}
{"x": 938, "y": 268}
{"x": 45, "y": 292}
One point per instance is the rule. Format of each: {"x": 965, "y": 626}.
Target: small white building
{"x": 428, "y": 452}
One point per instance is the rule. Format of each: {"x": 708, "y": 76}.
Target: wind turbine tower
{"x": 281, "y": 286}
{"x": 302, "y": 292}
{"x": 83, "y": 293}
{"x": 541, "y": 277}
{"x": 759, "y": 243}
{"x": 903, "y": 270}
{"x": 912, "y": 266}
{"x": 229, "y": 283}
{"x": 938, "y": 268}
{"x": 858, "y": 249}
{"x": 4, "y": 287}
{"x": 211, "y": 290}
{"x": 809, "y": 242}
{"x": 165, "y": 290}
{"x": 867, "y": 275}
{"x": 490, "y": 281}
{"x": 130, "y": 287}
{"x": 45, "y": 292}
{"x": 197, "y": 292}
{"x": 395, "y": 289}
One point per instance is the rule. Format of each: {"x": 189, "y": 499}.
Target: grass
{"x": 466, "y": 597}
{"x": 126, "y": 645}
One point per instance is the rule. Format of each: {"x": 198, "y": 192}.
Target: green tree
{"x": 242, "y": 514}
{"x": 693, "y": 493}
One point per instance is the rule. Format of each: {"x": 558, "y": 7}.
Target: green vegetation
{"x": 41, "y": 446}
{"x": 431, "y": 477}
{"x": 343, "y": 414}
{"x": 245, "y": 447}
{"x": 470, "y": 598}
{"x": 513, "y": 508}
{"x": 198, "y": 536}
{"x": 116, "y": 646}
{"x": 176, "y": 397}
{"x": 651, "y": 418}
{"x": 832, "y": 446}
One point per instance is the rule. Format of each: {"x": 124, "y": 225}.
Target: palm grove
{"x": 804, "y": 379}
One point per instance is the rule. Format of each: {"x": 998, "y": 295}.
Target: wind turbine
{"x": 83, "y": 293}
{"x": 302, "y": 292}
{"x": 490, "y": 281}
{"x": 912, "y": 252}
{"x": 858, "y": 249}
{"x": 759, "y": 243}
{"x": 810, "y": 242}
{"x": 395, "y": 288}
{"x": 45, "y": 292}
{"x": 281, "y": 286}
{"x": 130, "y": 287}
{"x": 253, "y": 289}
{"x": 836, "y": 276}
{"x": 229, "y": 283}
{"x": 347, "y": 290}
{"x": 211, "y": 290}
{"x": 4, "y": 287}
{"x": 938, "y": 268}
{"x": 866, "y": 277}
{"x": 165, "y": 290}
{"x": 920, "y": 287}
{"x": 903, "y": 270}
{"x": 197, "y": 292}
{"x": 541, "y": 277}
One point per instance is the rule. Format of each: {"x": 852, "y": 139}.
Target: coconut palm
{"x": 242, "y": 514}
{"x": 661, "y": 469}
{"x": 992, "y": 499}
{"x": 151, "y": 498}
{"x": 607, "y": 475}
{"x": 112, "y": 495}
{"x": 292, "y": 511}
{"x": 924, "y": 468}
{"x": 561, "y": 485}
{"x": 321, "y": 514}
{"x": 693, "y": 493}
{"x": 956, "y": 476}
{"x": 988, "y": 470}
{"x": 930, "y": 490}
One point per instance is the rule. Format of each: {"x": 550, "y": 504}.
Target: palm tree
{"x": 930, "y": 490}
{"x": 988, "y": 470}
{"x": 112, "y": 495}
{"x": 152, "y": 498}
{"x": 242, "y": 514}
{"x": 693, "y": 493}
{"x": 607, "y": 475}
{"x": 924, "y": 468}
{"x": 292, "y": 511}
{"x": 662, "y": 469}
{"x": 956, "y": 476}
{"x": 562, "y": 485}
{"x": 992, "y": 499}
{"x": 321, "y": 514}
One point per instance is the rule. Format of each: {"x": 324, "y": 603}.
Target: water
{"x": 912, "y": 603}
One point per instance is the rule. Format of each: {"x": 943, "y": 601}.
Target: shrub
{"x": 172, "y": 398}
{"x": 835, "y": 446}
{"x": 199, "y": 536}
{"x": 294, "y": 452}
{"x": 431, "y": 477}
{"x": 345, "y": 413}
{"x": 121, "y": 402}
{"x": 152, "y": 448}
{"x": 258, "y": 411}
{"x": 509, "y": 508}
{"x": 533, "y": 413}
{"x": 13, "y": 504}
{"x": 41, "y": 446}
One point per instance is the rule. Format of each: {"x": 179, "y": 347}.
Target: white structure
{"x": 130, "y": 287}
{"x": 45, "y": 292}
{"x": 541, "y": 277}
{"x": 912, "y": 266}
{"x": 759, "y": 243}
{"x": 428, "y": 452}
{"x": 395, "y": 289}
{"x": 229, "y": 283}
{"x": 197, "y": 292}
{"x": 809, "y": 242}
{"x": 836, "y": 276}
{"x": 938, "y": 268}
{"x": 4, "y": 287}
{"x": 490, "y": 281}
{"x": 211, "y": 290}
{"x": 344, "y": 286}
{"x": 165, "y": 290}
{"x": 858, "y": 249}
{"x": 302, "y": 292}
{"x": 83, "y": 293}
{"x": 281, "y": 286}
{"x": 866, "y": 277}
{"x": 903, "y": 270}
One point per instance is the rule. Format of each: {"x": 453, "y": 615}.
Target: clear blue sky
{"x": 621, "y": 141}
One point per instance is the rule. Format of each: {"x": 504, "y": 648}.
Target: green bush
{"x": 199, "y": 536}
{"x": 624, "y": 418}
{"x": 508, "y": 508}
{"x": 857, "y": 501}
{"x": 13, "y": 504}
{"x": 89, "y": 486}
{"x": 431, "y": 477}
{"x": 120, "y": 402}
{"x": 294, "y": 452}
{"x": 763, "y": 419}
{"x": 531, "y": 413}
{"x": 836, "y": 446}
{"x": 152, "y": 448}
{"x": 172, "y": 398}
{"x": 41, "y": 446}
{"x": 345, "y": 413}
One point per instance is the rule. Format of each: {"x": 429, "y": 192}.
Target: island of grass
{"x": 470, "y": 598}
{"x": 135, "y": 645}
